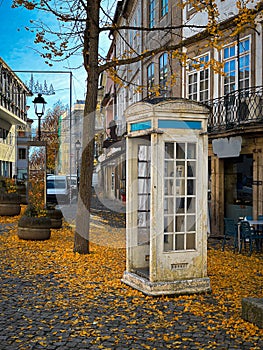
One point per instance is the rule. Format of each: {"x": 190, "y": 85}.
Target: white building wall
{"x": 226, "y": 9}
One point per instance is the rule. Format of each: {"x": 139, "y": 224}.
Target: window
{"x": 150, "y": 79}
{"x": 163, "y": 68}
{"x": 237, "y": 58}
{"x": 5, "y": 136}
{"x": 239, "y": 181}
{"x": 164, "y": 7}
{"x": 198, "y": 79}
{"x": 180, "y": 196}
{"x": 190, "y": 6}
{"x": 151, "y": 13}
{"x": 22, "y": 153}
{"x": 134, "y": 35}
{"x": 9, "y": 138}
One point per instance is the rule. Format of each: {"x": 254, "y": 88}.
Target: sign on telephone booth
{"x": 166, "y": 187}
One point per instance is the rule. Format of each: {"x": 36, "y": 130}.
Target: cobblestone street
{"x": 42, "y": 311}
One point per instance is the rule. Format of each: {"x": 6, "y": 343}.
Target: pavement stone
{"x": 27, "y": 323}
{"x": 4, "y": 227}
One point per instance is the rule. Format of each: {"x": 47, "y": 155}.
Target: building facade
{"x": 71, "y": 133}
{"x": 141, "y": 80}
{"x": 13, "y": 115}
{"x": 235, "y": 98}
{"x": 226, "y": 75}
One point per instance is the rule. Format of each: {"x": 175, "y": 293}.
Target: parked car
{"x": 58, "y": 189}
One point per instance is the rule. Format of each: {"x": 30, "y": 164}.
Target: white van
{"x": 57, "y": 189}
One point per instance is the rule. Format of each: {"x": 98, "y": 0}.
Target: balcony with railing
{"x": 236, "y": 109}
{"x": 13, "y": 94}
{"x": 117, "y": 128}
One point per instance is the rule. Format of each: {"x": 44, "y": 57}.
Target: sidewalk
{"x": 102, "y": 209}
{"x": 51, "y": 298}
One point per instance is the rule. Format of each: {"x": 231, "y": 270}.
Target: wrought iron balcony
{"x": 236, "y": 109}
{"x": 117, "y": 130}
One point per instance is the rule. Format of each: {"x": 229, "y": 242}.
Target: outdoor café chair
{"x": 230, "y": 232}
{"x": 260, "y": 227}
{"x": 248, "y": 235}
{"x": 260, "y": 231}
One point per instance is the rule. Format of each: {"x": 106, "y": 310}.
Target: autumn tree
{"x": 79, "y": 26}
{"x": 50, "y": 133}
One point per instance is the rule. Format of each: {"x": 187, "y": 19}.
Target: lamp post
{"x": 77, "y": 146}
{"x": 39, "y": 104}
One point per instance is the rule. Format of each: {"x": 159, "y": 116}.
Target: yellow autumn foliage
{"x": 87, "y": 277}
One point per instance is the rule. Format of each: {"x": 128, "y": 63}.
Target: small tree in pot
{"x": 34, "y": 223}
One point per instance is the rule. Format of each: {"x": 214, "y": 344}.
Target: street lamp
{"x": 77, "y": 147}
{"x": 39, "y": 104}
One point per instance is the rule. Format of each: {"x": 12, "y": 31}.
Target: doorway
{"x": 238, "y": 182}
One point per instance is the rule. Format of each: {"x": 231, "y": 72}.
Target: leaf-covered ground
{"x": 52, "y": 298}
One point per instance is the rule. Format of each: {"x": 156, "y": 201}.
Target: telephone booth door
{"x": 139, "y": 169}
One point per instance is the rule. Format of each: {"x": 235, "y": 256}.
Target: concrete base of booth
{"x": 191, "y": 286}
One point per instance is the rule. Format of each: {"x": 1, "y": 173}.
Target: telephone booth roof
{"x": 162, "y": 113}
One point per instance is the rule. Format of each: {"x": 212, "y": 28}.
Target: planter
{"x": 56, "y": 217}
{"x": 34, "y": 228}
{"x": 21, "y": 190}
{"x": 10, "y": 204}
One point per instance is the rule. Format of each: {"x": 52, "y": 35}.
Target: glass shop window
{"x": 239, "y": 180}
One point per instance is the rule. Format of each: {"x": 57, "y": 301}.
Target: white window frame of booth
{"x": 199, "y": 79}
{"x": 185, "y": 238}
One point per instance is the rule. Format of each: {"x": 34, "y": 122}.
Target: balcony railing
{"x": 12, "y": 106}
{"x": 236, "y": 109}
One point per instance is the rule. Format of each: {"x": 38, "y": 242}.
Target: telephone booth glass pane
{"x": 144, "y": 183}
{"x": 168, "y": 243}
{"x": 191, "y": 151}
{"x": 169, "y": 150}
{"x": 179, "y": 242}
{"x": 191, "y": 169}
{"x": 190, "y": 241}
{"x": 180, "y": 150}
{"x": 180, "y": 165}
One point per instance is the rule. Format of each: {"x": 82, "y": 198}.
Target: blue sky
{"x": 19, "y": 52}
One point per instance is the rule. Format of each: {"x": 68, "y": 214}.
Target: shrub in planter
{"x": 55, "y": 216}
{"x": 34, "y": 227}
{"x": 9, "y": 203}
{"x": 21, "y": 190}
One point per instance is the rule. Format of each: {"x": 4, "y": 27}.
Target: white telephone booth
{"x": 166, "y": 182}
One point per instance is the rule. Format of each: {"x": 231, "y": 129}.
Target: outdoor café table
{"x": 255, "y": 222}
{"x": 251, "y": 223}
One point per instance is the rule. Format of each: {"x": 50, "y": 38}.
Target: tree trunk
{"x": 90, "y": 54}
